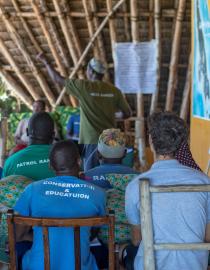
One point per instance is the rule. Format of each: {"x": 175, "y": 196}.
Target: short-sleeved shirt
{"x": 32, "y": 162}
{"x": 98, "y": 103}
{"x": 64, "y": 197}
{"x": 177, "y": 217}
{"x": 21, "y": 130}
{"x": 97, "y": 175}
{"x": 73, "y": 126}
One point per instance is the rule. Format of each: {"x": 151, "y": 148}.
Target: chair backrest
{"x": 146, "y": 221}
{"x": 45, "y": 223}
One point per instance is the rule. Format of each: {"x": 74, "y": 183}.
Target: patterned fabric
{"x": 10, "y": 189}
{"x": 184, "y": 156}
{"x": 116, "y": 202}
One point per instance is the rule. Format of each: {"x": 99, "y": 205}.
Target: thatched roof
{"x": 62, "y": 29}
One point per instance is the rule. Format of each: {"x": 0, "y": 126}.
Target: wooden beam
{"x": 49, "y": 38}
{"x": 21, "y": 46}
{"x": 15, "y": 67}
{"x": 157, "y": 9}
{"x": 85, "y": 52}
{"x": 167, "y": 13}
{"x": 91, "y": 30}
{"x": 112, "y": 29}
{"x": 126, "y": 22}
{"x": 172, "y": 81}
{"x": 151, "y": 19}
{"x": 66, "y": 31}
{"x": 186, "y": 94}
{"x": 27, "y": 28}
{"x": 139, "y": 125}
{"x": 100, "y": 41}
{"x": 17, "y": 88}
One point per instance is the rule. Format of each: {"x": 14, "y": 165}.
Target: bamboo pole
{"x": 66, "y": 31}
{"x": 85, "y": 52}
{"x": 112, "y": 30}
{"x": 186, "y": 94}
{"x": 172, "y": 81}
{"x": 151, "y": 19}
{"x": 100, "y": 41}
{"x": 56, "y": 35}
{"x": 3, "y": 140}
{"x": 19, "y": 42}
{"x": 146, "y": 224}
{"x": 49, "y": 38}
{"x": 154, "y": 100}
{"x": 17, "y": 70}
{"x": 126, "y": 22}
{"x": 139, "y": 125}
{"x": 89, "y": 19}
{"x": 72, "y": 28}
{"x": 16, "y": 87}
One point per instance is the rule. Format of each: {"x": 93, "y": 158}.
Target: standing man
{"x": 98, "y": 103}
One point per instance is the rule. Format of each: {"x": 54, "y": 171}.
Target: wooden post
{"x": 139, "y": 125}
{"x": 154, "y": 100}
{"x": 85, "y": 52}
{"x": 172, "y": 81}
{"x": 3, "y": 140}
{"x": 186, "y": 94}
{"x": 126, "y": 23}
{"x": 146, "y": 225}
{"x": 112, "y": 29}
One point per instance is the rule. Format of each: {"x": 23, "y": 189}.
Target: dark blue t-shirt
{"x": 65, "y": 197}
{"x": 73, "y": 126}
{"x": 97, "y": 175}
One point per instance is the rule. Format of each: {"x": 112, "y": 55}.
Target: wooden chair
{"x": 146, "y": 221}
{"x": 45, "y": 223}
{"x": 208, "y": 164}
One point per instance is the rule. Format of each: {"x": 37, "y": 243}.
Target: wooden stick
{"x": 100, "y": 41}
{"x": 85, "y": 52}
{"x": 49, "y": 39}
{"x": 16, "y": 87}
{"x": 186, "y": 94}
{"x": 66, "y": 31}
{"x": 146, "y": 225}
{"x": 20, "y": 75}
{"x": 112, "y": 29}
{"x": 72, "y": 28}
{"x": 20, "y": 44}
{"x": 139, "y": 125}
{"x": 172, "y": 81}
{"x": 151, "y": 18}
{"x": 154, "y": 100}
{"x": 3, "y": 140}
{"x": 126, "y": 22}
{"x": 89, "y": 19}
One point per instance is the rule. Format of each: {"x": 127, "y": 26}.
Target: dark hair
{"x": 168, "y": 131}
{"x": 41, "y": 102}
{"x": 64, "y": 156}
{"x": 41, "y": 127}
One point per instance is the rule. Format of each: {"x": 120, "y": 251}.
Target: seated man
{"x": 33, "y": 161}
{"x": 62, "y": 196}
{"x": 111, "y": 150}
{"x": 177, "y": 217}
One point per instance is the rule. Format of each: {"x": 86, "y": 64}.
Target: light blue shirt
{"x": 177, "y": 217}
{"x": 65, "y": 197}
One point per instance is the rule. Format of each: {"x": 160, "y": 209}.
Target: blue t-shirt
{"x": 97, "y": 175}
{"x": 177, "y": 217}
{"x": 73, "y": 127}
{"x": 65, "y": 197}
